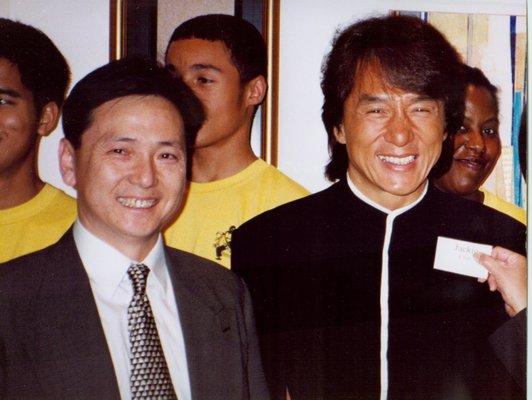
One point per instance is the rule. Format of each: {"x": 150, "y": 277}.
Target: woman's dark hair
{"x": 414, "y": 57}
{"x": 43, "y": 69}
{"x": 128, "y": 77}
{"x": 474, "y": 76}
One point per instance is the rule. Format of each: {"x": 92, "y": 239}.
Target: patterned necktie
{"x": 149, "y": 377}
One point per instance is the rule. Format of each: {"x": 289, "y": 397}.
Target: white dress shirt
{"x": 112, "y": 290}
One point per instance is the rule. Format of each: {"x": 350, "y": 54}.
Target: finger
{"x": 507, "y": 256}
{"x": 492, "y": 284}
{"x": 501, "y": 253}
{"x": 488, "y": 262}
{"x": 509, "y": 310}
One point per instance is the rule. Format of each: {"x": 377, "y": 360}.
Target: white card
{"x": 457, "y": 256}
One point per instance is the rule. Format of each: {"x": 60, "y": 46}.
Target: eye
{"x": 424, "y": 107}
{"x": 463, "y": 130}
{"x": 119, "y": 151}
{"x": 169, "y": 156}
{"x": 490, "y": 132}
{"x": 203, "y": 80}
{"x": 4, "y": 102}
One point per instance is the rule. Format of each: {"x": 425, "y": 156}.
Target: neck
{"x": 136, "y": 252}
{"x": 135, "y": 248}
{"x": 222, "y": 160}
{"x": 20, "y": 184}
{"x": 477, "y": 196}
{"x": 385, "y": 200}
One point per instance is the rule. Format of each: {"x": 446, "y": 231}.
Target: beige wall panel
{"x": 479, "y": 35}
{"x": 171, "y": 13}
{"x": 454, "y": 27}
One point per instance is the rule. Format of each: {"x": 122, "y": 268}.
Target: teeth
{"x": 135, "y": 203}
{"x": 397, "y": 160}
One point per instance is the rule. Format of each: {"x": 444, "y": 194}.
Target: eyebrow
{"x": 9, "y": 92}
{"x": 489, "y": 120}
{"x": 201, "y": 67}
{"x": 173, "y": 143}
{"x": 369, "y": 98}
{"x": 423, "y": 97}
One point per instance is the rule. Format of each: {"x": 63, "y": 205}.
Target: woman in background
{"x": 476, "y": 147}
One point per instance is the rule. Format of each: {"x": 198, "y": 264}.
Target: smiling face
{"x": 206, "y": 67}
{"x": 18, "y": 121}
{"x": 129, "y": 171}
{"x": 477, "y": 145}
{"x": 393, "y": 138}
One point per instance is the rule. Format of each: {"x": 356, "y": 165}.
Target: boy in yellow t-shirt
{"x": 33, "y": 80}
{"x": 222, "y": 58}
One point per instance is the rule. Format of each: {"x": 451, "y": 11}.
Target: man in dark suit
{"x": 109, "y": 311}
{"x": 348, "y": 303}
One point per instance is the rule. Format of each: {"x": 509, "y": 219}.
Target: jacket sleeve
{"x": 509, "y": 344}
{"x": 257, "y": 381}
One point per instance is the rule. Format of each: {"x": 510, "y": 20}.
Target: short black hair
{"x": 475, "y": 77}
{"x": 129, "y": 77}
{"x": 244, "y": 41}
{"x": 43, "y": 69}
{"x": 413, "y": 55}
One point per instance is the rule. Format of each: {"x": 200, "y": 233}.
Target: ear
{"x": 48, "y": 118}
{"x": 67, "y": 162}
{"x": 256, "y": 90}
{"x": 339, "y": 133}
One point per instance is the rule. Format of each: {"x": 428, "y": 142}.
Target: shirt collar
{"x": 356, "y": 191}
{"x": 107, "y": 267}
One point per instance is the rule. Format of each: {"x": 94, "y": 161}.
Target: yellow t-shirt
{"x": 35, "y": 224}
{"x": 212, "y": 210}
{"x": 503, "y": 206}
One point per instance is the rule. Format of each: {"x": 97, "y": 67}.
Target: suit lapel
{"x": 204, "y": 321}
{"x": 69, "y": 336}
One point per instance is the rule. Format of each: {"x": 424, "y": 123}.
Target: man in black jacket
{"x": 347, "y": 299}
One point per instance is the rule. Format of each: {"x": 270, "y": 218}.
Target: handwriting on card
{"x": 456, "y": 256}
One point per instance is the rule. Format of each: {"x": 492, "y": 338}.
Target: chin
{"x": 402, "y": 188}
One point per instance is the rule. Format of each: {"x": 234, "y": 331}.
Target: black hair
{"x": 43, "y": 69}
{"x": 412, "y": 54}
{"x": 129, "y": 77}
{"x": 475, "y": 77}
{"x": 242, "y": 39}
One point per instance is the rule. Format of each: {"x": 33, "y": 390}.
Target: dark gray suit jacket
{"x": 52, "y": 344}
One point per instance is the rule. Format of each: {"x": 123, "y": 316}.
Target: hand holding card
{"x": 456, "y": 256}
{"x": 508, "y": 273}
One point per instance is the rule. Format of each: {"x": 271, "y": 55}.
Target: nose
{"x": 474, "y": 140}
{"x": 144, "y": 173}
{"x": 399, "y": 132}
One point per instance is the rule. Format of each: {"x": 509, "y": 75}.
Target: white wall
{"x": 307, "y": 29}
{"x": 80, "y": 29}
